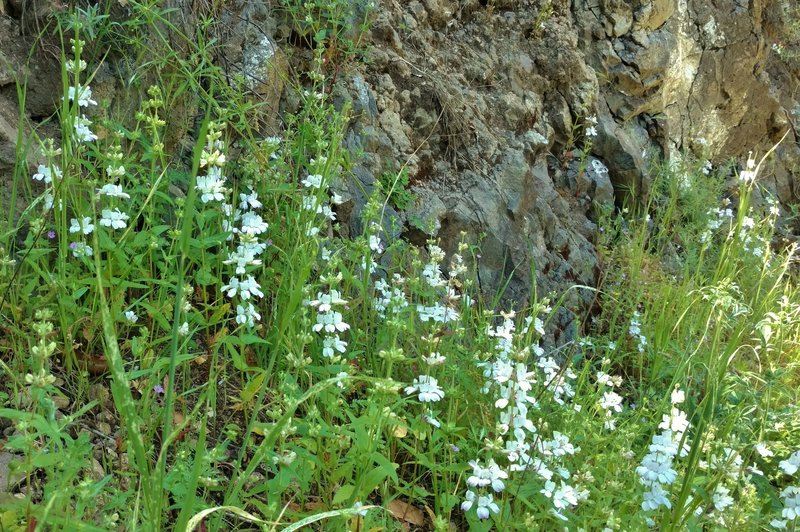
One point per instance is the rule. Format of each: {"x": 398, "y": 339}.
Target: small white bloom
{"x": 762, "y": 449}
{"x": 428, "y": 388}
{"x": 312, "y": 181}
{"x": 325, "y": 302}
{"x": 375, "y": 243}
{"x": 332, "y": 344}
{"x": 247, "y": 315}
{"x": 244, "y": 288}
{"x": 331, "y": 322}
{"x": 114, "y": 191}
{"x": 131, "y": 316}
{"x": 791, "y": 503}
{"x": 84, "y": 95}
{"x": 253, "y": 224}
{"x": 79, "y": 249}
{"x": 183, "y": 330}
{"x": 722, "y": 498}
{"x": 211, "y": 187}
{"x": 82, "y": 131}
{"x": 565, "y": 496}
{"x": 486, "y": 504}
{"x": 611, "y": 401}
{"x": 115, "y": 219}
{"x": 656, "y": 497}
{"x": 84, "y": 226}
{"x": 45, "y": 173}
{"x": 676, "y": 421}
{"x": 249, "y": 201}
{"x": 790, "y": 465}
{"x": 678, "y": 396}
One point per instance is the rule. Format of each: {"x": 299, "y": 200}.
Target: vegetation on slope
{"x": 188, "y": 343}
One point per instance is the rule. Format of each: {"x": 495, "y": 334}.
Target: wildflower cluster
{"x": 316, "y": 199}
{"x": 635, "y": 331}
{"x": 610, "y": 402}
{"x": 80, "y": 94}
{"x": 790, "y": 495}
{"x": 426, "y": 386}
{"x": 113, "y": 194}
{"x": 515, "y": 387}
{"x": 728, "y": 462}
{"x": 242, "y": 222}
{"x": 211, "y": 185}
{"x": 655, "y": 470}
{"x": 432, "y": 276}
{"x": 590, "y": 128}
{"x": 330, "y": 322}
{"x": 391, "y": 298}
{"x": 81, "y": 97}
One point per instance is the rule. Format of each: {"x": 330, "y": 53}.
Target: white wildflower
{"x": 113, "y": 191}
{"x": 247, "y": 315}
{"x": 84, "y": 226}
{"x": 84, "y": 95}
{"x": 82, "y": 131}
{"x": 332, "y": 344}
{"x": 790, "y": 465}
{"x": 428, "y": 388}
{"x": 79, "y": 249}
{"x": 45, "y": 173}
{"x": 211, "y": 187}
{"x": 114, "y": 219}
{"x": 312, "y": 181}
{"x": 330, "y": 322}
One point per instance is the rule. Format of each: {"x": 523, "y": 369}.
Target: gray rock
{"x": 652, "y": 14}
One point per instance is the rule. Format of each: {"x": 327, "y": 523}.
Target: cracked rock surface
{"x": 477, "y": 102}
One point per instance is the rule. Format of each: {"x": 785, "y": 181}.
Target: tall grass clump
{"x": 189, "y": 342}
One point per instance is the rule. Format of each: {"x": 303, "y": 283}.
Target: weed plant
{"x": 261, "y": 371}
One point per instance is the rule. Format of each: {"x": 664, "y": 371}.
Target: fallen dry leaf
{"x": 400, "y": 431}
{"x": 405, "y": 512}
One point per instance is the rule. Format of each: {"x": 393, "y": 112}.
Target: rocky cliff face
{"x": 481, "y": 101}
{"x": 484, "y": 103}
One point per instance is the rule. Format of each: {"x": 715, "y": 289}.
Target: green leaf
{"x": 204, "y": 277}
{"x": 236, "y": 357}
{"x": 324, "y": 515}
{"x": 253, "y": 386}
{"x": 343, "y": 494}
{"x": 384, "y": 463}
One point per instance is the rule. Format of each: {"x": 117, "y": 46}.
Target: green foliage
{"x": 395, "y": 186}
{"x": 336, "y": 25}
{"x": 258, "y": 369}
